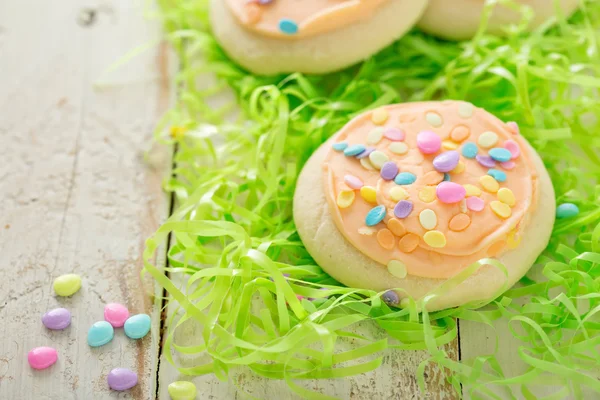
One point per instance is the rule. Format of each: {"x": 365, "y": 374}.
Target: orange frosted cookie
{"x": 427, "y": 189}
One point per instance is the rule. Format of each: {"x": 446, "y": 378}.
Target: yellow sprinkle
{"x": 502, "y": 210}
{"x": 367, "y": 164}
{"x": 435, "y": 239}
{"x": 366, "y": 231}
{"x": 449, "y": 145}
{"x": 397, "y": 193}
{"x": 489, "y": 184}
{"x": 345, "y": 198}
{"x": 375, "y": 136}
{"x": 434, "y": 119}
{"x": 506, "y": 196}
{"x": 379, "y": 116}
{"x": 460, "y": 167}
{"x": 378, "y": 158}
{"x": 369, "y": 194}
{"x": 428, "y": 219}
{"x": 397, "y": 268}
{"x": 427, "y": 194}
{"x": 398, "y": 148}
{"x": 465, "y": 110}
{"x": 488, "y": 139}
{"x": 472, "y": 190}
{"x": 463, "y": 206}
{"x": 513, "y": 240}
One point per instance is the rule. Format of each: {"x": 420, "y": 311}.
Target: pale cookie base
{"x": 319, "y": 54}
{"x": 460, "y": 19}
{"x": 346, "y": 264}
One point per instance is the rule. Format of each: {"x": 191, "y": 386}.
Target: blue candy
{"x": 470, "y": 150}
{"x": 137, "y": 326}
{"x": 500, "y": 154}
{"x": 446, "y": 177}
{"x": 391, "y": 298}
{"x": 340, "y": 146}
{"x": 100, "y": 333}
{"x": 288, "y": 26}
{"x": 375, "y": 216}
{"x": 567, "y": 210}
{"x": 405, "y": 178}
{"x": 498, "y": 175}
{"x": 354, "y": 150}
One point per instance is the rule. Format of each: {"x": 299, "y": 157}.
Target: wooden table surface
{"x": 80, "y": 191}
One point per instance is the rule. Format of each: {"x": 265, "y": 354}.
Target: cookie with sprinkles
{"x": 309, "y": 36}
{"x": 455, "y": 204}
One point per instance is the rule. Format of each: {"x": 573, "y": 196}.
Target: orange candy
{"x": 253, "y": 13}
{"x": 409, "y": 242}
{"x": 496, "y": 248}
{"x": 460, "y": 133}
{"x": 385, "y": 239}
{"x": 396, "y": 227}
{"x": 459, "y": 222}
{"x": 432, "y": 178}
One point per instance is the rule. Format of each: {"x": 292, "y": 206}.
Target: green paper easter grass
{"x": 233, "y": 232}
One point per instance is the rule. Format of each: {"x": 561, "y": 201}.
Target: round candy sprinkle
{"x": 385, "y": 239}
{"x": 265, "y": 1}
{"x": 470, "y": 150}
{"x": 450, "y": 192}
{"x": 513, "y": 148}
{"x": 67, "y": 285}
{"x": 460, "y": 168}
{"x": 498, "y": 175}
{"x": 390, "y": 298}
{"x": 389, "y": 170}
{"x": 137, "y": 326}
{"x": 354, "y": 150}
{"x": 366, "y": 164}
{"x": 408, "y": 243}
{"x": 459, "y": 222}
{"x": 405, "y": 178}
{"x": 398, "y": 148}
{"x": 435, "y": 239}
{"x": 427, "y": 194}
{"x": 56, "y": 319}
{"x": 378, "y": 158}
{"x": 341, "y": 146}
{"x": 460, "y": 133}
{"x": 288, "y": 26}
{"x": 100, "y": 334}
{"x": 514, "y": 128}
{"x": 500, "y": 154}
{"x": 428, "y": 219}
{"x": 488, "y": 139}
{"x": 379, "y": 116}
{"x": 486, "y": 161}
{"x": 345, "y": 198}
{"x": 121, "y": 379}
{"x": 396, "y": 227}
{"x": 365, "y": 153}
{"x": 434, "y": 119}
{"x": 42, "y": 357}
{"x": 182, "y": 390}
{"x": 375, "y": 136}
{"x": 446, "y": 161}
{"x": 397, "y": 193}
{"x": 567, "y": 210}
{"x": 375, "y": 216}
{"x": 447, "y": 177}
{"x": 353, "y": 182}
{"x": 507, "y": 196}
{"x": 432, "y": 178}
{"x": 116, "y": 314}
{"x": 465, "y": 110}
{"x": 462, "y": 206}
{"x": 394, "y": 134}
{"x": 496, "y": 248}
{"x": 366, "y": 231}
{"x": 397, "y": 268}
{"x": 472, "y": 190}
{"x": 253, "y": 13}
{"x": 449, "y": 145}
{"x": 475, "y": 204}
{"x": 369, "y": 194}
{"x": 502, "y": 210}
{"x": 403, "y": 208}
{"x": 489, "y": 184}
{"x": 508, "y": 165}
{"x": 428, "y": 142}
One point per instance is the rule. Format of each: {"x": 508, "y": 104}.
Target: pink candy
{"x": 394, "y": 134}
{"x": 116, "y": 314}
{"x": 513, "y": 127}
{"x": 428, "y": 142}
{"x": 450, "y": 192}
{"x": 513, "y": 147}
{"x": 508, "y": 165}
{"x": 42, "y": 357}
{"x": 475, "y": 204}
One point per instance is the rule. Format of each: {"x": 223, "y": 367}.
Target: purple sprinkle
{"x": 394, "y": 134}
{"x": 365, "y": 153}
{"x": 486, "y": 161}
{"x": 353, "y": 182}
{"x": 121, "y": 379}
{"x": 56, "y": 319}
{"x": 389, "y": 170}
{"x": 446, "y": 161}
{"x": 391, "y": 298}
{"x": 403, "y": 208}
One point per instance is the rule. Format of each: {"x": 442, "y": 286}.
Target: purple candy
{"x": 366, "y": 153}
{"x": 446, "y": 161}
{"x": 389, "y": 170}
{"x": 122, "y": 379}
{"x": 56, "y": 319}
{"x": 403, "y": 208}
{"x": 394, "y": 134}
{"x": 391, "y": 298}
{"x": 486, "y": 161}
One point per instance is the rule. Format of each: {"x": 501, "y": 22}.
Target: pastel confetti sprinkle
{"x": 369, "y": 193}
{"x": 428, "y": 219}
{"x": 513, "y": 147}
{"x": 366, "y": 153}
{"x": 432, "y": 178}
{"x": 397, "y": 268}
{"x": 488, "y": 139}
{"x": 498, "y": 175}
{"x": 514, "y": 128}
{"x": 375, "y": 136}
{"x": 394, "y": 134}
{"x": 375, "y": 216}
{"x": 427, "y": 194}
{"x": 366, "y": 164}
{"x": 459, "y": 222}
{"x": 460, "y": 168}
{"x": 354, "y": 150}
{"x": 460, "y": 133}
{"x": 447, "y": 177}
{"x": 500, "y": 209}
{"x": 472, "y": 190}
{"x": 353, "y": 182}
{"x": 405, "y": 178}
{"x": 500, "y": 154}
{"x": 446, "y": 161}
{"x": 399, "y": 148}
{"x": 390, "y": 298}
{"x": 42, "y": 357}
{"x": 508, "y": 165}
{"x": 288, "y": 26}
{"x": 475, "y": 204}
{"x": 385, "y": 239}
{"x": 389, "y": 170}
{"x": 486, "y": 161}
{"x": 366, "y": 231}
{"x": 339, "y": 146}
{"x": 435, "y": 239}
{"x": 507, "y": 196}
{"x": 396, "y": 227}
{"x": 403, "y": 208}
{"x": 470, "y": 150}
{"x": 345, "y": 199}
{"x": 397, "y": 193}
{"x": 408, "y": 243}
{"x": 462, "y": 206}
{"x": 428, "y": 142}
{"x": 450, "y": 192}
{"x": 489, "y": 183}
{"x": 434, "y": 119}
{"x": 449, "y": 145}
{"x": 465, "y": 110}
{"x": 379, "y": 116}
{"x": 567, "y": 210}
{"x": 378, "y": 158}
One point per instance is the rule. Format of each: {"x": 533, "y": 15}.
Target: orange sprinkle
{"x": 496, "y": 248}
{"x": 460, "y": 133}
{"x": 396, "y": 227}
{"x": 409, "y": 242}
{"x": 513, "y": 240}
{"x": 432, "y": 178}
{"x": 385, "y": 239}
{"x": 253, "y": 13}
{"x": 459, "y": 222}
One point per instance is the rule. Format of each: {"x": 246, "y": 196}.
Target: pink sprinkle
{"x": 428, "y": 142}
{"x": 353, "y": 182}
{"x": 450, "y": 192}
{"x": 394, "y": 134}
{"x": 513, "y": 127}
{"x": 116, "y": 314}
{"x": 299, "y": 297}
{"x": 42, "y": 357}
{"x": 513, "y": 147}
{"x": 508, "y": 165}
{"x": 475, "y": 203}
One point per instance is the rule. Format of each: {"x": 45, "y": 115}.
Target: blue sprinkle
{"x": 375, "y": 216}
{"x": 354, "y": 150}
{"x": 500, "y": 154}
{"x": 446, "y": 177}
{"x": 340, "y": 146}
{"x": 405, "y": 178}
{"x": 288, "y": 26}
{"x": 498, "y": 175}
{"x": 470, "y": 150}
{"x": 567, "y": 210}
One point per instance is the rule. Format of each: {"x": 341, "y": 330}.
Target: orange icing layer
{"x": 312, "y": 17}
{"x": 487, "y": 234}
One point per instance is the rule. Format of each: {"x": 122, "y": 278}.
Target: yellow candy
{"x": 397, "y": 193}
{"x": 462, "y": 206}
{"x": 375, "y": 136}
{"x": 366, "y": 231}
{"x": 488, "y": 139}
{"x": 506, "y": 196}
{"x": 465, "y": 110}
{"x": 369, "y": 194}
{"x": 434, "y": 119}
{"x": 67, "y": 285}
{"x": 367, "y": 164}
{"x": 378, "y": 158}
{"x": 427, "y": 194}
{"x": 489, "y": 184}
{"x": 182, "y": 390}
{"x": 460, "y": 167}
{"x": 345, "y": 198}
{"x": 513, "y": 240}
{"x": 398, "y": 148}
{"x": 379, "y": 116}
{"x": 435, "y": 239}
{"x": 428, "y": 219}
{"x": 502, "y": 210}
{"x": 397, "y": 268}
{"x": 472, "y": 190}
{"x": 449, "y": 145}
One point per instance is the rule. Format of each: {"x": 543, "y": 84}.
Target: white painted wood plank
{"x": 76, "y": 194}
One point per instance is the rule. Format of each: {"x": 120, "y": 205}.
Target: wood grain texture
{"x": 76, "y": 194}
